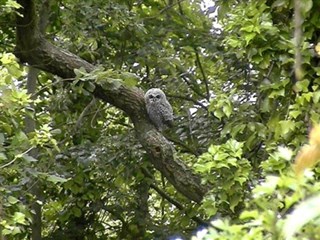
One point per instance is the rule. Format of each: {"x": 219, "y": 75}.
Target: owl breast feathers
{"x": 158, "y": 108}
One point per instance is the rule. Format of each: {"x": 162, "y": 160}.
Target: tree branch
{"x": 203, "y": 74}
{"x": 189, "y": 99}
{"x": 34, "y": 49}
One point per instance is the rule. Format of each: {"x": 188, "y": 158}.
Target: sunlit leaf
{"x": 303, "y": 213}
{"x": 12, "y": 200}
{"x": 56, "y": 179}
{"x": 29, "y": 158}
{"x": 20, "y": 218}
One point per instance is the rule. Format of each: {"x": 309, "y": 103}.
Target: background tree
{"x": 103, "y": 170}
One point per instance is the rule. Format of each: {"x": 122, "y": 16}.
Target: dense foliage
{"x": 241, "y": 117}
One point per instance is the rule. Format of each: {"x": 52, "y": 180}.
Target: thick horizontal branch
{"x": 35, "y": 50}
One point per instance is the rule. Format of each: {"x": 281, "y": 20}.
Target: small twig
{"x": 184, "y": 146}
{"x": 189, "y": 99}
{"x": 174, "y": 202}
{"x": 270, "y": 69}
{"x": 298, "y": 39}
{"x": 194, "y": 101}
{"x": 180, "y": 7}
{"x": 183, "y": 76}
{"x": 95, "y": 115}
{"x": 170, "y": 6}
{"x": 84, "y": 113}
{"x": 15, "y": 158}
{"x": 43, "y": 89}
{"x": 203, "y": 74}
{"x": 190, "y": 124}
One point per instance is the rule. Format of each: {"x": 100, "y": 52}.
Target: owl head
{"x": 154, "y": 95}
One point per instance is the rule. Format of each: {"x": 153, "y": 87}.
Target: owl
{"x": 158, "y": 108}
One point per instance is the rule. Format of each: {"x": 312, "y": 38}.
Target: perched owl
{"x": 158, "y": 108}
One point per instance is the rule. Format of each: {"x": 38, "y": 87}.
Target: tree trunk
{"x": 30, "y": 126}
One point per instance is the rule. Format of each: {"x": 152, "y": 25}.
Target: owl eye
{"x": 150, "y": 96}
{"x": 158, "y": 96}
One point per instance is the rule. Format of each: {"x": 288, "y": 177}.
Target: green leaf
{"x": 316, "y": 96}
{"x": 302, "y": 86}
{"x": 11, "y": 230}
{"x": 7, "y": 58}
{"x": 286, "y": 126}
{"x": 295, "y": 114}
{"x": 276, "y": 93}
{"x": 239, "y": 128}
{"x": 12, "y": 200}
{"x": 12, "y": 4}
{"x": 285, "y": 153}
{"x": 20, "y": 138}
{"x": 201, "y": 168}
{"x": 115, "y": 83}
{"x": 307, "y": 96}
{"x": 76, "y": 211}
{"x": 218, "y": 113}
{"x": 248, "y": 28}
{"x": 220, "y": 156}
{"x": 279, "y": 3}
{"x": 219, "y": 224}
{"x": 14, "y": 70}
{"x": 235, "y": 146}
{"x": 29, "y": 158}
{"x": 2, "y": 156}
{"x": 234, "y": 201}
{"x": 291, "y": 199}
{"x": 56, "y": 179}
{"x": 304, "y": 213}
{"x": 267, "y": 187}
{"x": 212, "y": 150}
{"x": 249, "y": 214}
{"x": 249, "y": 36}
{"x": 306, "y": 6}
{"x": 90, "y": 86}
{"x": 265, "y": 106}
{"x": 55, "y": 131}
{"x": 80, "y": 72}
{"x": 209, "y": 205}
{"x": 129, "y": 79}
{"x": 227, "y": 109}
{"x": 20, "y": 218}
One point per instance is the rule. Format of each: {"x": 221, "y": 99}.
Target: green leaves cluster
{"x": 13, "y": 104}
{"x": 8, "y": 6}
{"x": 105, "y": 78}
{"x": 241, "y": 119}
{"x": 274, "y": 212}
{"x": 14, "y": 145}
{"x": 225, "y": 168}
{"x": 17, "y": 167}
{"x": 271, "y": 119}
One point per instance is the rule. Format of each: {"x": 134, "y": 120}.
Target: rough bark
{"x": 141, "y": 217}
{"x": 30, "y": 126}
{"x": 35, "y": 50}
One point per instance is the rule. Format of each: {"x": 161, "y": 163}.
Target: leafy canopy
{"x": 242, "y": 117}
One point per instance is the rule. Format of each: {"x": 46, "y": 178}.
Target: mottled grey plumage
{"x": 158, "y": 108}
